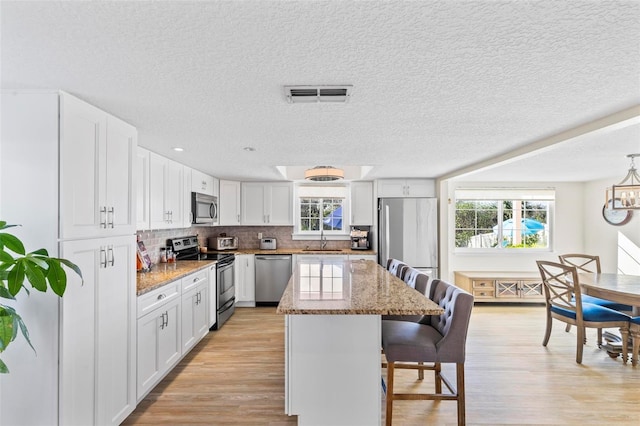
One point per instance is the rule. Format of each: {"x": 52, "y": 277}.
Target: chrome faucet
{"x": 323, "y": 239}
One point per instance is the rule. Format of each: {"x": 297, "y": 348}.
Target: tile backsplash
{"x": 247, "y": 237}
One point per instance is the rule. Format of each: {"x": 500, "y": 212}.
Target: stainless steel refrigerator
{"x": 408, "y": 231}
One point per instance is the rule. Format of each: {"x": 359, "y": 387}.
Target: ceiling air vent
{"x": 309, "y": 94}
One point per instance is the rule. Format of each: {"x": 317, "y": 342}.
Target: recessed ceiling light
{"x": 249, "y": 148}
{"x": 177, "y": 148}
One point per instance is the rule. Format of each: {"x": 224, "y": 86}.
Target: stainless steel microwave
{"x": 204, "y": 209}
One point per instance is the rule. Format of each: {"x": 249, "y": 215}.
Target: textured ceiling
{"x": 438, "y": 85}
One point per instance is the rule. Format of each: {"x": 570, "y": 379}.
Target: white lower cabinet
{"x": 245, "y": 280}
{"x": 195, "y": 295}
{"x": 159, "y": 342}
{"x": 373, "y": 257}
{"x": 98, "y": 333}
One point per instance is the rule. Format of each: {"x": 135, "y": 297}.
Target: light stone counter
{"x": 164, "y": 273}
{"x": 360, "y": 287}
{"x": 332, "y": 338}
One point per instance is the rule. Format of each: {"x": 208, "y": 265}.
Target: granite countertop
{"x": 351, "y": 287}
{"x": 299, "y": 251}
{"x": 164, "y": 273}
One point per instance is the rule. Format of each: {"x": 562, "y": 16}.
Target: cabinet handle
{"x": 238, "y": 218}
{"x": 111, "y": 211}
{"x": 161, "y": 296}
{"x": 103, "y": 217}
{"x": 103, "y": 257}
{"x": 166, "y": 315}
{"x": 111, "y": 256}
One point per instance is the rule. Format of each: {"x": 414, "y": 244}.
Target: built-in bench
{"x": 494, "y": 286}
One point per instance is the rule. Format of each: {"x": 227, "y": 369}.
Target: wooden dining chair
{"x": 563, "y": 300}
{"x": 591, "y": 263}
{"x": 634, "y": 330}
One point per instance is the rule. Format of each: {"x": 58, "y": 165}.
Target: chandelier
{"x": 323, "y": 174}
{"x": 626, "y": 194}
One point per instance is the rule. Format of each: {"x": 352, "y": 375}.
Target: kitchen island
{"x": 332, "y": 338}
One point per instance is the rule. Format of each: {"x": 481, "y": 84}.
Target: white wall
{"x": 568, "y": 229}
{"x": 29, "y": 197}
{"x": 617, "y": 246}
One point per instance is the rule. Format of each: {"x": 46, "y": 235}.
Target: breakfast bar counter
{"x": 332, "y": 314}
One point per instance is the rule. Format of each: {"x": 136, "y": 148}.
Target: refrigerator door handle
{"x": 386, "y": 232}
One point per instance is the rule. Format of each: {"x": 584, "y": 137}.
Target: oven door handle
{"x": 229, "y": 303}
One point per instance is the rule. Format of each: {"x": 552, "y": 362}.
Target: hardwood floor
{"x": 235, "y": 376}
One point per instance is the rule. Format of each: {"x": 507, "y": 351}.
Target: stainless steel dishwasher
{"x": 273, "y": 272}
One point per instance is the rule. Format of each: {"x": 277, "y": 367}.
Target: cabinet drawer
{"x": 484, "y": 293}
{"x": 158, "y": 297}
{"x": 480, "y": 284}
{"x": 191, "y": 281}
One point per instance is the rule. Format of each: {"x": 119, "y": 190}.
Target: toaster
{"x": 223, "y": 243}
{"x": 268, "y": 243}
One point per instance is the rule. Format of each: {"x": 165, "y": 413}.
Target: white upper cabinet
{"x": 362, "y": 203}
{"x": 229, "y": 203}
{"x": 267, "y": 203}
{"x": 142, "y": 188}
{"x": 166, "y": 193}
{"x": 389, "y": 188}
{"x": 203, "y": 183}
{"x": 96, "y": 172}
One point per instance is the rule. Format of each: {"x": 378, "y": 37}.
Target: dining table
{"x": 619, "y": 288}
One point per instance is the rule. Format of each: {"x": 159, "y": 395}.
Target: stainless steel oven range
{"x": 223, "y": 294}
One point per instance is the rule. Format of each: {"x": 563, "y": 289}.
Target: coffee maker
{"x": 360, "y": 238}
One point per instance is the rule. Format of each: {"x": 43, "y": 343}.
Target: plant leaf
{"x": 57, "y": 277}
{"x": 13, "y": 243}
{"x": 40, "y": 252}
{"x": 16, "y": 278}
{"x": 3, "y": 225}
{"x": 23, "y": 329}
{"x": 35, "y": 275}
{"x": 4, "y": 293}
{"x": 71, "y": 266}
{"x": 3, "y": 368}
{"x": 6, "y": 327}
{"x": 39, "y": 261}
{"x": 6, "y": 257}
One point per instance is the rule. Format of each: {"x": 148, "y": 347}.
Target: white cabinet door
{"x": 254, "y": 198}
{"x": 229, "y": 203}
{"x": 279, "y": 204}
{"x": 98, "y": 333}
{"x": 194, "y": 309}
{"x": 166, "y": 189}
{"x": 267, "y": 203}
{"x": 158, "y": 214}
{"x": 83, "y": 133}
{"x": 122, "y": 140}
{"x": 96, "y": 172}
{"x": 159, "y": 345}
{"x": 362, "y": 203}
{"x": 389, "y": 188}
{"x": 142, "y": 189}
{"x": 245, "y": 272}
{"x": 421, "y": 188}
{"x": 174, "y": 190}
{"x": 202, "y": 183}
{"x": 187, "y": 180}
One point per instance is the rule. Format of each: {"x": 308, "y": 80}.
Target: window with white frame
{"x": 503, "y": 219}
{"x": 321, "y": 209}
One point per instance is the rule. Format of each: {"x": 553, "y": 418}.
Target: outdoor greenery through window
{"x": 505, "y": 222}
{"x": 321, "y": 212}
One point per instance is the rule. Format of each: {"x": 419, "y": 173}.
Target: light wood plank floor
{"x": 235, "y": 376}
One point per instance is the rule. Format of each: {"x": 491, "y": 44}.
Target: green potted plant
{"x": 16, "y": 267}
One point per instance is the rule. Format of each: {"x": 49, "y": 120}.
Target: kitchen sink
{"x": 311, "y": 249}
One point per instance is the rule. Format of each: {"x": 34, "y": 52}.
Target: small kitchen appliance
{"x": 222, "y": 242}
{"x": 268, "y": 243}
{"x": 360, "y": 239}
